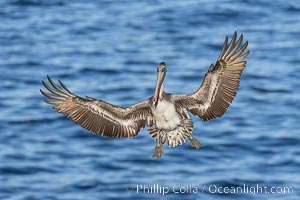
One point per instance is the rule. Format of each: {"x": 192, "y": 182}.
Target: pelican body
{"x": 166, "y": 115}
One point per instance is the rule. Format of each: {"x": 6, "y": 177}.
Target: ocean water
{"x": 109, "y": 50}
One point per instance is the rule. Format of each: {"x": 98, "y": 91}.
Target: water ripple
{"x": 105, "y": 50}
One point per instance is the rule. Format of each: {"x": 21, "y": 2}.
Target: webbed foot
{"x": 158, "y": 151}
{"x": 195, "y": 143}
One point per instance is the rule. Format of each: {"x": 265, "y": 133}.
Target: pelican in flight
{"x": 166, "y": 114}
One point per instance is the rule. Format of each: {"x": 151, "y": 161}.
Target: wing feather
{"x": 220, "y": 83}
{"x": 95, "y": 115}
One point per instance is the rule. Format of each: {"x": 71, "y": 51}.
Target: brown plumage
{"x": 220, "y": 83}
{"x": 166, "y": 114}
{"x": 96, "y": 115}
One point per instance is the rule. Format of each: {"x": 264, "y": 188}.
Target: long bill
{"x": 159, "y": 82}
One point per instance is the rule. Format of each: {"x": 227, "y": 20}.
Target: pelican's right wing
{"x": 220, "y": 83}
{"x": 96, "y": 115}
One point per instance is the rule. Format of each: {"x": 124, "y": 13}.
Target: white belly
{"x": 165, "y": 115}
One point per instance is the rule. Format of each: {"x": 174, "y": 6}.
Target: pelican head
{"x": 161, "y": 74}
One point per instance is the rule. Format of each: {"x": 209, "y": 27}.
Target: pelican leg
{"x": 161, "y": 139}
{"x": 194, "y": 142}
{"x": 158, "y": 151}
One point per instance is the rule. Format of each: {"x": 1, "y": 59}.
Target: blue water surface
{"x": 109, "y": 50}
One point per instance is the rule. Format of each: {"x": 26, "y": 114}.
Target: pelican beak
{"x": 159, "y": 82}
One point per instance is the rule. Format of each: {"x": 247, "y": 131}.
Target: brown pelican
{"x": 166, "y": 114}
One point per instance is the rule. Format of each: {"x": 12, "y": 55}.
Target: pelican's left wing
{"x": 96, "y": 115}
{"x": 220, "y": 83}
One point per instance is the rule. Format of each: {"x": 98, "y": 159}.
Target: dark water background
{"x": 109, "y": 50}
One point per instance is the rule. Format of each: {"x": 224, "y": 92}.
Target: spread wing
{"x": 96, "y": 115}
{"x": 220, "y": 83}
